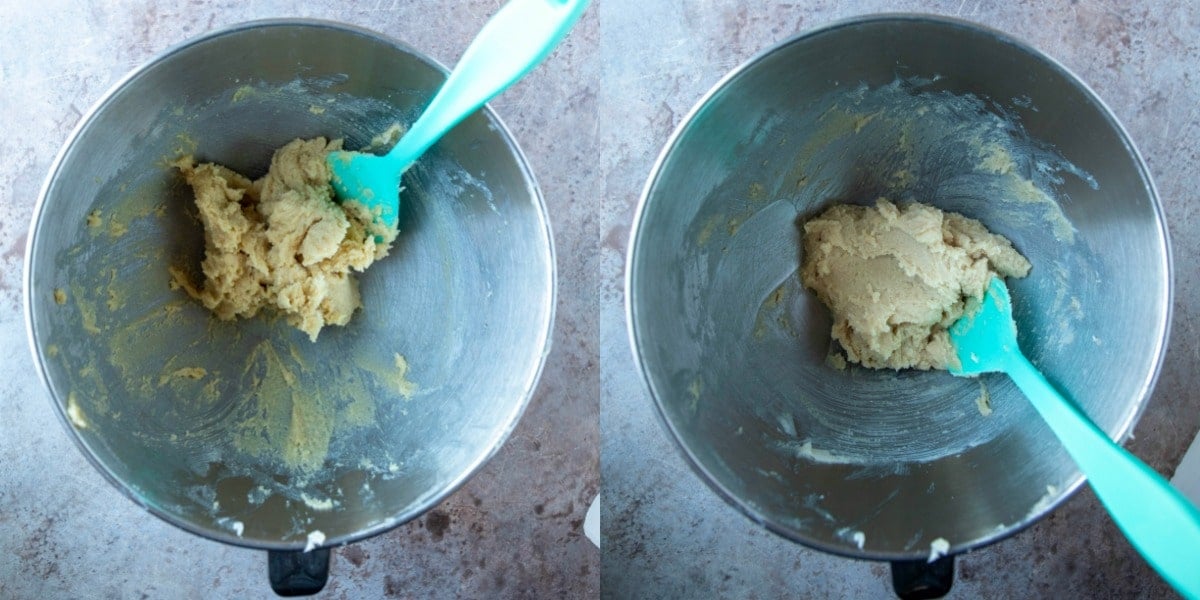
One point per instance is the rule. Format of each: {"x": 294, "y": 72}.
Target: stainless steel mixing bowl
{"x": 881, "y": 464}
{"x": 277, "y": 442}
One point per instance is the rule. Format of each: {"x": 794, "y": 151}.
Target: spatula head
{"x": 373, "y": 181}
{"x": 985, "y": 340}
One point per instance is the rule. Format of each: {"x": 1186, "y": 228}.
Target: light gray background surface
{"x": 666, "y": 533}
{"x": 512, "y": 531}
{"x": 591, "y": 119}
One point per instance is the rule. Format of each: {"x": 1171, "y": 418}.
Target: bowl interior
{"x": 245, "y": 431}
{"x": 736, "y": 352}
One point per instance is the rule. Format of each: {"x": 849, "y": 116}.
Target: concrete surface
{"x": 592, "y": 120}
{"x": 513, "y": 531}
{"x": 666, "y": 535}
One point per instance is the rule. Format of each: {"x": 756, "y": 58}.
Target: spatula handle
{"x": 518, "y": 37}
{"x": 1160, "y": 523}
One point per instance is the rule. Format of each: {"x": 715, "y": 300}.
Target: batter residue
{"x": 896, "y": 278}
{"x": 281, "y": 241}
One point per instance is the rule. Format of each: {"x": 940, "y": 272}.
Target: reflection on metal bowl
{"x": 246, "y": 432}
{"x": 881, "y": 464}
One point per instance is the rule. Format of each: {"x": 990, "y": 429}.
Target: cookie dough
{"x": 281, "y": 241}
{"x": 896, "y": 278}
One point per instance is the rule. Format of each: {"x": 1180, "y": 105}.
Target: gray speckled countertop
{"x": 514, "y": 530}
{"x": 664, "y": 530}
{"x": 591, "y": 120}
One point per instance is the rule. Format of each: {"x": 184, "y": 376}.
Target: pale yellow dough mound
{"x": 896, "y": 278}
{"x": 281, "y": 241}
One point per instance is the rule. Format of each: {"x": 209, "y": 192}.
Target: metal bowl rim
{"x": 429, "y": 501}
{"x": 781, "y": 529}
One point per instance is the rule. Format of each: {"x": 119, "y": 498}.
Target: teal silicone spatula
{"x": 1157, "y": 520}
{"x": 515, "y": 40}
